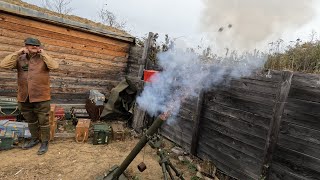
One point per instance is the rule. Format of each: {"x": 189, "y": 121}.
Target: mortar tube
{"x": 135, "y": 151}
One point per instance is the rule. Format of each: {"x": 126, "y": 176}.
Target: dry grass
{"x": 304, "y": 57}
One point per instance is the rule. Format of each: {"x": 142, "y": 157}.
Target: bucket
{"x": 147, "y": 75}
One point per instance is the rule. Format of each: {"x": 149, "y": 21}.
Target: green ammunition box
{"x": 6, "y": 143}
{"x": 101, "y": 134}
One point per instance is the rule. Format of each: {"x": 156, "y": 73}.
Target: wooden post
{"x": 275, "y": 123}
{"x": 144, "y": 59}
{"x": 196, "y": 118}
{"x": 139, "y": 115}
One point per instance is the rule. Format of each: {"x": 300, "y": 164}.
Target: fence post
{"x": 146, "y": 50}
{"x": 139, "y": 115}
{"x": 196, "y": 118}
{"x": 274, "y": 127}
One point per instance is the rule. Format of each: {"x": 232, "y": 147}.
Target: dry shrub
{"x": 303, "y": 57}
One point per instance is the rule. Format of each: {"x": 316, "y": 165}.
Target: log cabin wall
{"x": 89, "y": 57}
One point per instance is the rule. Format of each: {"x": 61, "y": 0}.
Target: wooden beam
{"x": 139, "y": 115}
{"x": 196, "y": 119}
{"x": 146, "y": 50}
{"x": 275, "y": 122}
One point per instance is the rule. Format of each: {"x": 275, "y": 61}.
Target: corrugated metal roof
{"x": 41, "y": 16}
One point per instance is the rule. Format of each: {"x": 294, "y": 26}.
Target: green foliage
{"x": 192, "y": 167}
{"x": 194, "y": 178}
{"x": 136, "y": 178}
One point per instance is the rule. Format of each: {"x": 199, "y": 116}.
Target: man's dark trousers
{"x": 37, "y": 116}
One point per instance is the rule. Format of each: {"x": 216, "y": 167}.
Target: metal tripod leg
{"x": 163, "y": 166}
{"x": 178, "y": 174}
{"x": 169, "y": 171}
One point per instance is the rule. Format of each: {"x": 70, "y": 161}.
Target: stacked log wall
{"x": 87, "y": 61}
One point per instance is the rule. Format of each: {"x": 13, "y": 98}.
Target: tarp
{"x": 120, "y": 101}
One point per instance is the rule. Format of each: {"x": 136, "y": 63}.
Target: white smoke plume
{"x": 185, "y": 74}
{"x": 249, "y": 24}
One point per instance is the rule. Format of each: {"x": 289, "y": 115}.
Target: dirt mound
{"x": 70, "y": 17}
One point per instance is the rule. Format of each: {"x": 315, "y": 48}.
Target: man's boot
{"x": 31, "y": 143}
{"x": 43, "y": 148}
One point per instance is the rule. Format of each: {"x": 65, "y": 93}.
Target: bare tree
{"x": 59, "y": 6}
{"x": 110, "y": 19}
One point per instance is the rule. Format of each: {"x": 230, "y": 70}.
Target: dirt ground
{"x": 69, "y": 160}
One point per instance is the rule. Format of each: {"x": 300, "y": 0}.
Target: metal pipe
{"x": 143, "y": 141}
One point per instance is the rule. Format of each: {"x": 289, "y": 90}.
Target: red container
{"x": 147, "y": 75}
{"x": 8, "y": 117}
{"x": 59, "y": 113}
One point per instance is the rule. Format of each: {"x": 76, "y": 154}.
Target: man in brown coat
{"x": 33, "y": 65}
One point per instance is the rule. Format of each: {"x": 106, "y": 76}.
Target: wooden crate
{"x": 52, "y": 121}
{"x": 82, "y": 130}
{"x": 118, "y": 132}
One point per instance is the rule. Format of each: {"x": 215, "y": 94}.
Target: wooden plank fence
{"x": 263, "y": 126}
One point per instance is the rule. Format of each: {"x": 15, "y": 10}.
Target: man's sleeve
{"x": 10, "y": 61}
{"x": 51, "y": 64}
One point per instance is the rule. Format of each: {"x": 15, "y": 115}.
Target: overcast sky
{"x": 183, "y": 18}
{"x": 174, "y": 17}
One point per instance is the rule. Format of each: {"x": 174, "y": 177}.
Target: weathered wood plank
{"x": 300, "y": 132}
{"x": 302, "y": 119}
{"x": 227, "y": 164}
{"x": 76, "y": 95}
{"x": 186, "y": 113}
{"x": 250, "y": 95}
{"x": 236, "y": 124}
{"x": 140, "y": 116}
{"x": 211, "y": 136}
{"x": 305, "y": 93}
{"x": 179, "y": 137}
{"x": 70, "y": 90}
{"x": 239, "y": 114}
{"x": 238, "y": 103}
{"x": 261, "y": 98}
{"x": 83, "y": 81}
{"x": 92, "y": 74}
{"x": 44, "y": 33}
{"x": 6, "y": 18}
{"x": 84, "y": 51}
{"x": 303, "y": 80}
{"x": 57, "y": 42}
{"x": 119, "y": 62}
{"x": 78, "y": 77}
{"x": 73, "y": 61}
{"x": 235, "y": 157}
{"x": 266, "y": 76}
{"x": 239, "y": 136}
{"x": 279, "y": 172}
{"x": 296, "y": 144}
{"x": 306, "y": 107}
{"x": 300, "y": 163}
{"x": 179, "y": 125}
{"x": 253, "y": 86}
{"x": 275, "y": 122}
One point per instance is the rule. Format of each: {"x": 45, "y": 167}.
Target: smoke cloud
{"x": 247, "y": 24}
{"x": 185, "y": 74}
